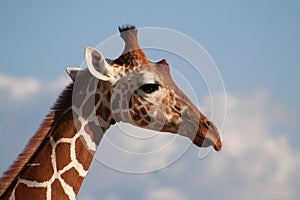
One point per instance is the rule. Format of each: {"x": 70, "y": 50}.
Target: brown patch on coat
{"x": 63, "y": 155}
{"x": 67, "y": 128}
{"x": 103, "y": 111}
{"x": 57, "y": 191}
{"x": 24, "y": 192}
{"x": 40, "y": 167}
{"x": 75, "y": 183}
{"x": 83, "y": 155}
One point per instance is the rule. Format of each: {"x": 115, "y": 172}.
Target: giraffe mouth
{"x": 211, "y": 138}
{"x": 212, "y": 141}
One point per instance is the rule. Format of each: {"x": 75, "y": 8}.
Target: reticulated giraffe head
{"x": 144, "y": 94}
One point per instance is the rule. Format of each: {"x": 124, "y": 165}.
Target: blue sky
{"x": 255, "y": 45}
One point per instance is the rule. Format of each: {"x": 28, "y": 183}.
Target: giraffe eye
{"x": 149, "y": 88}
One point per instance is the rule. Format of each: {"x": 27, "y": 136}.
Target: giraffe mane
{"x": 63, "y": 103}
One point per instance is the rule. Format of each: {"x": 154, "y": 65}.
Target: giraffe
{"x": 129, "y": 89}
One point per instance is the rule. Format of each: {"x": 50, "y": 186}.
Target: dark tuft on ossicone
{"x": 126, "y": 28}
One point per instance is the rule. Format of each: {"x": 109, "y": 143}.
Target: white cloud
{"x": 18, "y": 89}
{"x": 106, "y": 197}
{"x": 22, "y": 89}
{"x": 165, "y": 193}
{"x": 262, "y": 163}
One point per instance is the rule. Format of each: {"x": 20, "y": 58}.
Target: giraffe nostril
{"x": 208, "y": 124}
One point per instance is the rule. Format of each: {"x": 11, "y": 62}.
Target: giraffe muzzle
{"x": 210, "y": 138}
{"x": 213, "y": 138}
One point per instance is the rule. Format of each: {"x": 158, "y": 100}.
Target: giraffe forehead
{"x": 142, "y": 74}
{"x": 148, "y": 77}
{"x": 139, "y": 75}
{"x": 154, "y": 73}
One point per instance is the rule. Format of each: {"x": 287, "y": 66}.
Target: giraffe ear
{"x": 97, "y": 64}
{"x": 73, "y": 72}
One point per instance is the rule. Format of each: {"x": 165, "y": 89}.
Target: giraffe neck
{"x": 58, "y": 166}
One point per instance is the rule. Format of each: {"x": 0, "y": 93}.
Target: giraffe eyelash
{"x": 149, "y": 87}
